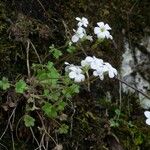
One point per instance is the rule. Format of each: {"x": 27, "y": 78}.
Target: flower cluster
{"x": 98, "y": 66}
{"x": 102, "y": 31}
{"x": 80, "y": 33}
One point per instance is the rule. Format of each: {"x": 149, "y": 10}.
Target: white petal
{"x": 85, "y": 24}
{"x": 93, "y": 65}
{"x": 100, "y": 24}
{"x": 66, "y": 63}
{"x": 148, "y": 121}
{"x": 85, "y": 20}
{"x": 108, "y": 65}
{"x": 72, "y": 75}
{"x": 79, "y": 78}
{"x": 95, "y": 73}
{"x": 110, "y": 37}
{"x": 147, "y": 114}
{"x": 72, "y": 68}
{"x": 101, "y": 35}
{"x": 105, "y": 68}
{"x": 81, "y": 35}
{"x": 80, "y": 30}
{"x": 101, "y": 77}
{"x": 89, "y": 59}
{"x": 111, "y": 74}
{"x": 82, "y": 77}
{"x": 79, "y": 24}
{"x": 75, "y": 69}
{"x": 75, "y": 38}
{"x": 115, "y": 71}
{"x": 107, "y": 34}
{"x": 107, "y": 27}
{"x": 67, "y": 69}
{"x": 96, "y": 63}
{"x": 78, "y": 71}
{"x": 96, "y": 30}
{"x": 78, "y": 19}
{"x": 83, "y": 63}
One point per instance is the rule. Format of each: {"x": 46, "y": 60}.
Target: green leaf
{"x": 113, "y": 123}
{"x": 20, "y": 86}
{"x": 48, "y": 75}
{"x": 71, "y": 49}
{"x": 29, "y": 121}
{"x": 55, "y": 52}
{"x": 61, "y": 106}
{"x": 4, "y": 84}
{"x": 63, "y": 129}
{"x": 50, "y": 65}
{"x": 54, "y": 96}
{"x": 138, "y": 138}
{"x": 49, "y": 110}
{"x": 118, "y": 112}
{"x": 46, "y": 93}
{"x": 71, "y": 90}
{"x": 53, "y": 74}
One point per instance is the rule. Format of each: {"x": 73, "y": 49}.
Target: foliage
{"x": 20, "y": 87}
{"x": 63, "y": 129}
{"x": 29, "y": 121}
{"x": 55, "y": 52}
{"x": 4, "y": 84}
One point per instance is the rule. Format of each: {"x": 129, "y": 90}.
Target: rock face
{"x": 135, "y": 69}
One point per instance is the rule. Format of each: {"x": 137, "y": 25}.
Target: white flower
{"x": 147, "y": 114}
{"x": 76, "y": 74}
{"x": 79, "y": 34}
{"x": 102, "y": 31}
{"x": 96, "y": 63}
{"x": 111, "y": 71}
{"x": 82, "y": 21}
{"x": 87, "y": 61}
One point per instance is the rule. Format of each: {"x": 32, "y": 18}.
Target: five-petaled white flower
{"x": 76, "y": 74}
{"x": 82, "y": 21}
{"x": 147, "y": 114}
{"x": 102, "y": 31}
{"x": 79, "y": 34}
